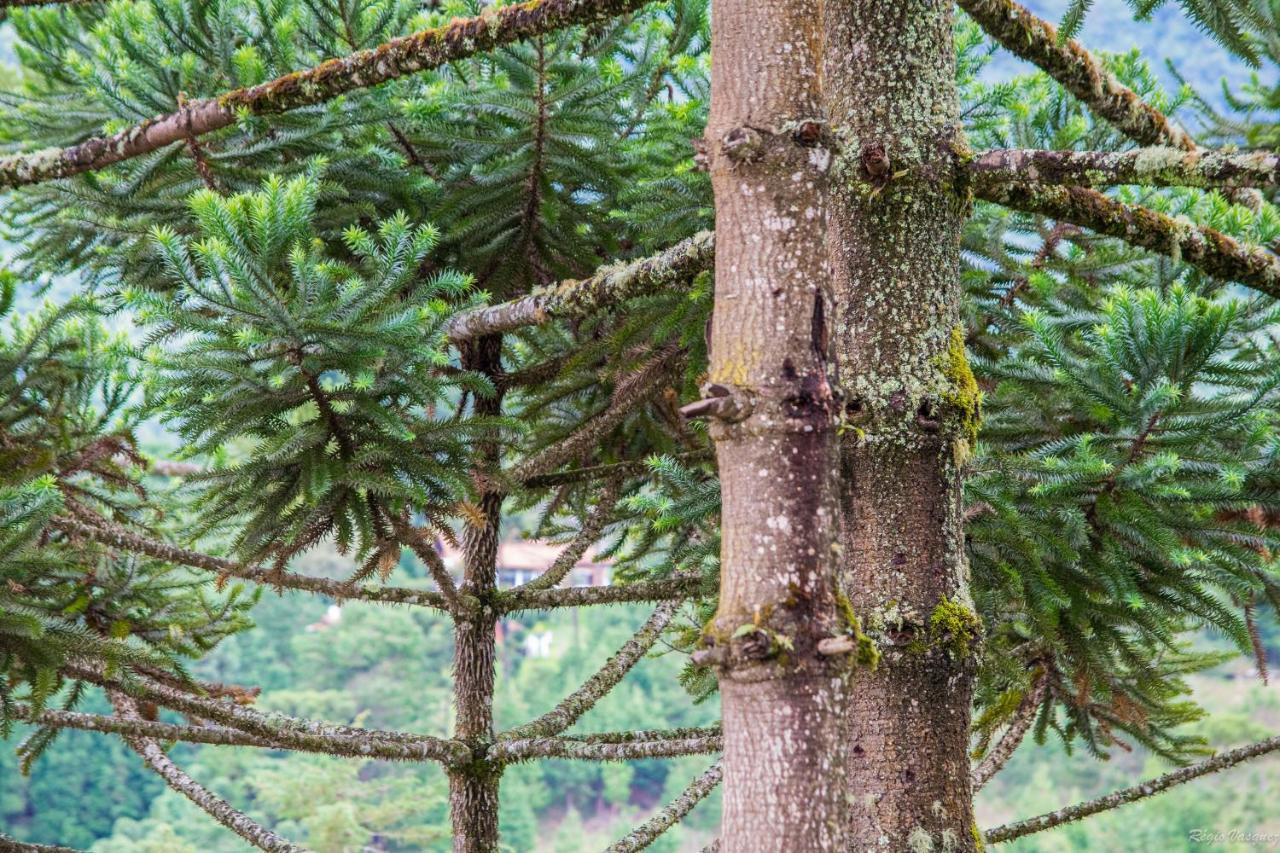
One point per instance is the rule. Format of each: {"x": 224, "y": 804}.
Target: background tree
{"x": 370, "y": 301}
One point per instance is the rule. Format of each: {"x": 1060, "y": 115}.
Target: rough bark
{"x": 772, "y": 420}
{"x": 473, "y": 789}
{"x": 360, "y": 70}
{"x": 910, "y": 413}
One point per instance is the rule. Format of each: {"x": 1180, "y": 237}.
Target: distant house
{"x": 522, "y": 560}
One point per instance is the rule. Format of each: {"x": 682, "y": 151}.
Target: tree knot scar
{"x": 874, "y": 158}
{"x": 808, "y": 132}
{"x": 722, "y": 403}
{"x": 742, "y": 144}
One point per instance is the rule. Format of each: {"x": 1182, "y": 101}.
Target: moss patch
{"x": 954, "y": 627}
{"x": 960, "y": 392}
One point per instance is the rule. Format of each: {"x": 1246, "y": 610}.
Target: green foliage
{"x": 333, "y": 370}
{"x": 67, "y": 449}
{"x": 1225, "y": 21}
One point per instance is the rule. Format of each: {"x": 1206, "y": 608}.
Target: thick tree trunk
{"x": 473, "y": 789}
{"x": 772, "y": 418}
{"x": 911, "y": 413}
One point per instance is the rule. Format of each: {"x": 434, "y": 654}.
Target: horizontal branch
{"x": 646, "y": 833}
{"x": 20, "y": 4}
{"x": 283, "y": 731}
{"x": 610, "y": 286}
{"x": 1080, "y": 73}
{"x": 567, "y": 712}
{"x": 680, "y": 585}
{"x": 216, "y": 807}
{"x": 13, "y": 845}
{"x": 508, "y": 751}
{"x": 125, "y": 540}
{"x": 1161, "y": 166}
{"x": 399, "y": 57}
{"x": 1206, "y": 249}
{"x": 1218, "y": 762}
{"x": 629, "y": 468}
{"x": 214, "y": 735}
{"x": 686, "y": 733}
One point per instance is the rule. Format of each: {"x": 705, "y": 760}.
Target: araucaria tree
{"x": 926, "y": 412}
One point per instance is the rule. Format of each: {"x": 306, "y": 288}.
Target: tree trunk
{"x": 772, "y": 418}
{"x": 911, "y": 417}
{"x": 473, "y": 790}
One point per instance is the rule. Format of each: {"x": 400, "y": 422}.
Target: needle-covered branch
{"x": 1080, "y": 73}
{"x": 646, "y": 833}
{"x": 629, "y": 392}
{"x": 610, "y": 286}
{"x": 216, "y": 807}
{"x": 1206, "y": 249}
{"x": 524, "y": 749}
{"x": 1123, "y": 797}
{"x": 1023, "y": 717}
{"x": 400, "y": 57}
{"x": 572, "y": 553}
{"x": 125, "y": 540}
{"x": 1158, "y": 166}
{"x": 565, "y": 714}
{"x": 678, "y": 586}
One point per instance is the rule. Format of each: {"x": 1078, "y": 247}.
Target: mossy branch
{"x": 1158, "y": 166}
{"x": 1123, "y": 797}
{"x": 1206, "y": 249}
{"x": 363, "y": 69}
{"x": 177, "y": 779}
{"x": 12, "y": 845}
{"x": 610, "y": 286}
{"x": 671, "y": 814}
{"x": 1023, "y": 716}
{"x": 1080, "y": 73}
{"x": 524, "y": 749}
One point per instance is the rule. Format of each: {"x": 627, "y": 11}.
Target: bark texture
{"x": 473, "y": 789}
{"x": 772, "y": 419}
{"x": 911, "y": 412}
